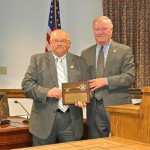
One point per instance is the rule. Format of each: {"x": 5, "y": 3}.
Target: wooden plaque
{"x": 73, "y": 92}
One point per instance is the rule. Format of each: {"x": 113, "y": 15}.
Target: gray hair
{"x": 103, "y": 18}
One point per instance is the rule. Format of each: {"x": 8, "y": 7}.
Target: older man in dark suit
{"x": 49, "y": 120}
{"x": 112, "y": 72}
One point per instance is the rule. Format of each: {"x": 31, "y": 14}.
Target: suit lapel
{"x": 71, "y": 65}
{"x": 110, "y": 57}
{"x": 92, "y": 61}
{"x": 52, "y": 66}
{"x": 93, "y": 57}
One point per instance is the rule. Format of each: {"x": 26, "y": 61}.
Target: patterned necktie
{"x": 61, "y": 79}
{"x": 100, "y": 63}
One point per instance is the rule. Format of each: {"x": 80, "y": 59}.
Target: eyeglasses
{"x": 60, "y": 41}
{"x": 104, "y": 29}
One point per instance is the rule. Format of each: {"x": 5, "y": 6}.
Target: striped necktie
{"x": 61, "y": 79}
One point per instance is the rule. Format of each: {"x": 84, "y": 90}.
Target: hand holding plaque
{"x": 73, "y": 92}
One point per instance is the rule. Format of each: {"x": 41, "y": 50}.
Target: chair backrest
{"x": 4, "y": 108}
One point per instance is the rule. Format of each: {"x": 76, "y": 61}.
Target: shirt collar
{"x": 55, "y": 56}
{"x": 105, "y": 45}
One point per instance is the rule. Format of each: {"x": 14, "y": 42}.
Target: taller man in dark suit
{"x": 49, "y": 118}
{"x": 112, "y": 72}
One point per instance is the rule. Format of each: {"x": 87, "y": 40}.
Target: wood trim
{"x": 18, "y": 93}
{"x": 14, "y": 93}
{"x": 136, "y": 93}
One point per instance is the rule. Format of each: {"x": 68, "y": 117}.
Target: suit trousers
{"x": 101, "y": 127}
{"x": 62, "y": 130}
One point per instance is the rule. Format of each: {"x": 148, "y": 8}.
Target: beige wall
{"x": 23, "y": 29}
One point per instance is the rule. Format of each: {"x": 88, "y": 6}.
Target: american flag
{"x": 53, "y": 21}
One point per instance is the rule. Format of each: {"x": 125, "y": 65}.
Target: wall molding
{"x": 13, "y": 93}
{"x": 18, "y": 93}
{"x": 135, "y": 93}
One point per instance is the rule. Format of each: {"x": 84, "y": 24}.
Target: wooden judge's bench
{"x": 132, "y": 121}
{"x": 130, "y": 129}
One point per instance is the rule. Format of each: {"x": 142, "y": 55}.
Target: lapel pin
{"x": 71, "y": 66}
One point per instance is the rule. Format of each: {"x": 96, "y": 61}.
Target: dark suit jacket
{"x": 41, "y": 76}
{"x": 119, "y": 71}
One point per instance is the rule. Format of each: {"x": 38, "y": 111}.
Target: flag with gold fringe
{"x": 53, "y": 22}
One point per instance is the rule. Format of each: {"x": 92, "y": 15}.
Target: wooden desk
{"x": 16, "y": 135}
{"x": 111, "y": 143}
{"x": 132, "y": 121}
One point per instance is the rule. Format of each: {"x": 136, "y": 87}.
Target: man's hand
{"x": 80, "y": 104}
{"x": 97, "y": 83}
{"x": 55, "y": 92}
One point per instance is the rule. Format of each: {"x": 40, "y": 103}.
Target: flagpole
{"x": 55, "y": 14}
